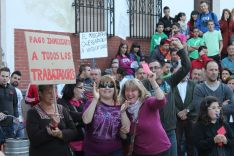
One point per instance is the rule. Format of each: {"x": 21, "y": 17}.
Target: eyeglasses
{"x": 105, "y": 85}
{"x": 154, "y": 67}
{"x": 214, "y": 108}
{"x": 80, "y": 87}
{"x": 141, "y": 73}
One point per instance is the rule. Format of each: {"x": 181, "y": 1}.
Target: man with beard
{"x": 213, "y": 87}
{"x": 197, "y": 75}
{"x": 15, "y": 80}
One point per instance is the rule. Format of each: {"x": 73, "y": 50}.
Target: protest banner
{"x": 50, "y": 58}
{"x": 93, "y": 45}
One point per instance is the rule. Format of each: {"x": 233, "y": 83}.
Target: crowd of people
{"x": 168, "y": 103}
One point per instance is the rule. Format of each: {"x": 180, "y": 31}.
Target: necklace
{"x": 49, "y": 115}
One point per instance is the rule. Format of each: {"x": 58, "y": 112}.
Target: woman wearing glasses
{"x": 104, "y": 121}
{"x": 73, "y": 100}
{"x": 49, "y": 129}
{"x": 211, "y": 135}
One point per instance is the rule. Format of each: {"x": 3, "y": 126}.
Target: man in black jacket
{"x": 167, "y": 20}
{"x": 185, "y": 114}
{"x": 8, "y": 103}
{"x": 168, "y": 85}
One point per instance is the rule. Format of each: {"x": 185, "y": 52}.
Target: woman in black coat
{"x": 49, "y": 128}
{"x": 211, "y": 135}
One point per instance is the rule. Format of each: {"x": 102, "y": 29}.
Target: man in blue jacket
{"x": 204, "y": 17}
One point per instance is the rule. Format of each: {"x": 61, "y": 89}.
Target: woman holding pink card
{"x": 211, "y": 135}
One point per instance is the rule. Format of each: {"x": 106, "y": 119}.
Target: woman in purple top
{"x": 143, "y": 110}
{"x": 124, "y": 59}
{"x": 104, "y": 121}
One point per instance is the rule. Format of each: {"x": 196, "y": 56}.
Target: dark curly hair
{"x": 203, "y": 116}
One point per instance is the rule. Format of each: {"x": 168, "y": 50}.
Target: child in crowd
{"x": 135, "y": 53}
{"x": 124, "y": 60}
{"x": 157, "y": 37}
{"x": 181, "y": 19}
{"x": 212, "y": 136}
{"x": 192, "y": 22}
{"x": 176, "y": 33}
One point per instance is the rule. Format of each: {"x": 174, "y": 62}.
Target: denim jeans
{"x": 172, "y": 137}
{"x": 19, "y": 130}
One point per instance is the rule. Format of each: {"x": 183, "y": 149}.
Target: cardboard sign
{"x": 93, "y": 45}
{"x": 50, "y": 58}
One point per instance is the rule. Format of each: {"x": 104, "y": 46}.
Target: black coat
{"x": 43, "y": 144}
{"x": 203, "y": 137}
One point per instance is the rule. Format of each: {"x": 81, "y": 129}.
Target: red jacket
{"x": 200, "y": 63}
{"x": 226, "y": 30}
{"x": 32, "y": 97}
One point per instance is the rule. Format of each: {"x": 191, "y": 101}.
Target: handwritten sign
{"x": 93, "y": 45}
{"x": 50, "y": 58}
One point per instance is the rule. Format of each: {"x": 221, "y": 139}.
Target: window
{"x": 94, "y": 15}
{"x": 143, "y": 16}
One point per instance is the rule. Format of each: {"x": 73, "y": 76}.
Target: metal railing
{"x": 94, "y": 15}
{"x": 143, "y": 16}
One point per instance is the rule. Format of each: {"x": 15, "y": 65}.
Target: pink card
{"x": 222, "y": 130}
{"x": 145, "y": 68}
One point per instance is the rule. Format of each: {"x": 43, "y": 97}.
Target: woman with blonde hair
{"x": 147, "y": 134}
{"x": 104, "y": 121}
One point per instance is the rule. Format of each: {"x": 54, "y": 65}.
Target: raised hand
{"x": 124, "y": 106}
{"x": 96, "y": 94}
{"x": 151, "y": 76}
{"x": 176, "y": 42}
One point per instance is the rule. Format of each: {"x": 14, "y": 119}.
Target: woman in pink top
{"x": 124, "y": 59}
{"x": 143, "y": 111}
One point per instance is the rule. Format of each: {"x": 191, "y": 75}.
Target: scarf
{"x": 76, "y": 103}
{"x": 133, "y": 109}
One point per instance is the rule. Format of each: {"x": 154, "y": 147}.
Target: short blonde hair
{"x": 134, "y": 84}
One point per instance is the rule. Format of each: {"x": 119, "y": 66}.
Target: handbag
{"x": 132, "y": 137}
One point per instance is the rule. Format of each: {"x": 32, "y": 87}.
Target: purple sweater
{"x": 125, "y": 63}
{"x": 151, "y": 138}
{"x": 102, "y": 134}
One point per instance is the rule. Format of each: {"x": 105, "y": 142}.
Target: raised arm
{"x": 185, "y": 64}
{"x": 88, "y": 113}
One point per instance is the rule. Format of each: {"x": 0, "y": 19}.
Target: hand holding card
{"x": 145, "y": 68}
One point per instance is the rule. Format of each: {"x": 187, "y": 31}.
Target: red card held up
{"x": 221, "y": 130}
{"x": 145, "y": 68}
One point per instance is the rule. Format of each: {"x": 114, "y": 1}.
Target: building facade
{"x": 124, "y": 20}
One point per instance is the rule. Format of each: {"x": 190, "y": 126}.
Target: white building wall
{"x": 121, "y": 19}
{"x": 226, "y": 4}
{"x": 58, "y": 15}
{"x": 176, "y": 6}
{"x": 47, "y": 15}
